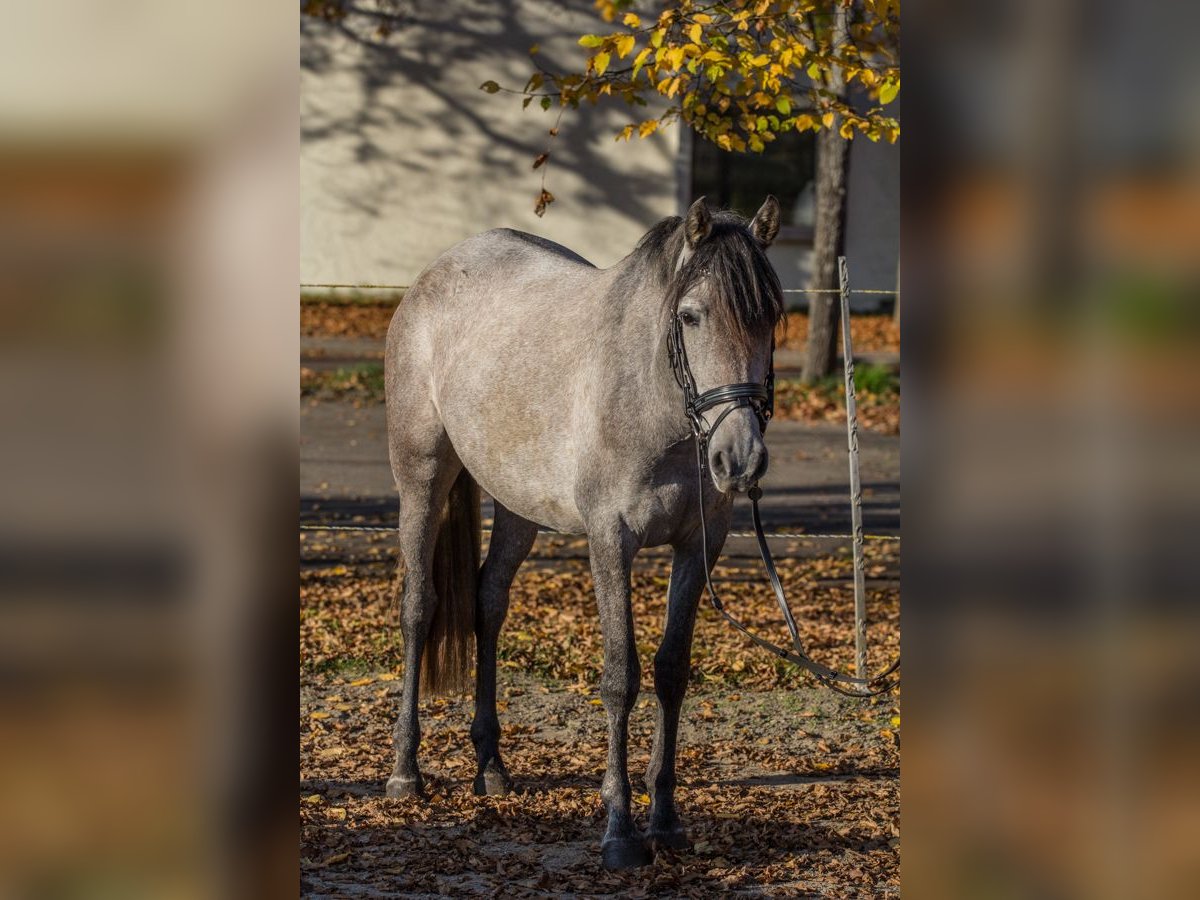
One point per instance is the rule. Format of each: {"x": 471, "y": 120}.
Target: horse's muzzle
{"x": 737, "y": 461}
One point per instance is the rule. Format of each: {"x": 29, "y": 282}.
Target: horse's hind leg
{"x": 512, "y": 537}
{"x": 425, "y": 467}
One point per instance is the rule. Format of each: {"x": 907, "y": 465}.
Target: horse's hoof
{"x": 674, "y": 839}
{"x": 405, "y": 786}
{"x": 625, "y": 853}
{"x": 492, "y": 783}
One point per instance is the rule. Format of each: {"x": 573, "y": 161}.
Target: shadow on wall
{"x": 397, "y": 94}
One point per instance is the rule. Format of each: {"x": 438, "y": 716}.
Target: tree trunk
{"x": 820, "y": 350}
{"x": 833, "y": 157}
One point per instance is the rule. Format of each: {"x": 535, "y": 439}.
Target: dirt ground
{"x": 786, "y": 788}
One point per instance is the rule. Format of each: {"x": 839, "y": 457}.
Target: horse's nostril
{"x": 760, "y": 466}
{"x": 720, "y": 463}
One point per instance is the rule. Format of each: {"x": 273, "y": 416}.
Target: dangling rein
{"x": 760, "y": 398}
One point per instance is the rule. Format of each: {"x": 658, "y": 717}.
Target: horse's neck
{"x": 657, "y": 412}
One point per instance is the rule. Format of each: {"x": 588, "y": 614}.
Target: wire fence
{"x": 405, "y": 287}
{"x": 792, "y": 535}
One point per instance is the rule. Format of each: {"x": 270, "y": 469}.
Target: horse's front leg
{"x": 612, "y": 556}
{"x": 672, "y": 668}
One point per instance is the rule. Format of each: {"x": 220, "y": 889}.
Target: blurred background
{"x": 148, "y": 336}
{"x": 1051, "y": 223}
{"x": 149, "y": 259}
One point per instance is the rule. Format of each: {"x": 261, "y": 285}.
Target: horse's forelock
{"x": 746, "y": 293}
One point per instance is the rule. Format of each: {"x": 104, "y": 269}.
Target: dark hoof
{"x": 675, "y": 839}
{"x": 405, "y": 786}
{"x": 625, "y": 853}
{"x": 492, "y": 782}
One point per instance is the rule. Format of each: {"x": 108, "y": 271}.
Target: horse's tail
{"x": 446, "y": 664}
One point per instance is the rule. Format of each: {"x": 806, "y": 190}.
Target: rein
{"x": 761, "y": 399}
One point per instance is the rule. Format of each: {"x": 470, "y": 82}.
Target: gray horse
{"x": 516, "y": 365}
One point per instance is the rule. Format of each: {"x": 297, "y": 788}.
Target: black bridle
{"x": 760, "y": 398}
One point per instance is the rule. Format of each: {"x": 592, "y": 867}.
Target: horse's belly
{"x": 532, "y": 474}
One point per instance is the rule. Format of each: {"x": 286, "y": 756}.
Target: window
{"x": 740, "y": 181}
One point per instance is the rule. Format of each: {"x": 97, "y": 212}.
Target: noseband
{"x": 761, "y": 399}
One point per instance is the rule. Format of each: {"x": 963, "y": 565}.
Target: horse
{"x": 516, "y": 366}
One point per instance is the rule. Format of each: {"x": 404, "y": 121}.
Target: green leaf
{"x": 490, "y": 86}
{"x": 784, "y": 105}
{"x": 545, "y": 103}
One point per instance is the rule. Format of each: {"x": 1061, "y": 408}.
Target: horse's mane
{"x": 746, "y": 289}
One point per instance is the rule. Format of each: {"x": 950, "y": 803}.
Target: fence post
{"x": 860, "y": 599}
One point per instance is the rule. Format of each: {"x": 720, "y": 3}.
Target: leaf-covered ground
{"x": 786, "y": 789}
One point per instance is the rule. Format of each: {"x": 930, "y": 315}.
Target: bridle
{"x": 760, "y": 398}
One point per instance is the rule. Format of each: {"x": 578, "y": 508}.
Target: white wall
{"x": 402, "y": 154}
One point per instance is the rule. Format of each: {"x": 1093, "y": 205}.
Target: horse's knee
{"x": 619, "y": 684}
{"x": 671, "y": 671}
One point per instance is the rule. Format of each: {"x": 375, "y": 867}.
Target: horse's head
{"x": 727, "y": 302}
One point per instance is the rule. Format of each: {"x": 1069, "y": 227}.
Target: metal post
{"x": 860, "y": 598}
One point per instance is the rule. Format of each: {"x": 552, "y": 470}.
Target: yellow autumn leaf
{"x": 318, "y": 715}
{"x": 625, "y": 44}
{"x": 847, "y": 129}
{"x": 827, "y": 120}
{"x": 632, "y": 20}
{"x": 695, "y": 32}
{"x": 888, "y": 92}
{"x": 648, "y": 128}
{"x": 600, "y": 62}
{"x": 640, "y": 60}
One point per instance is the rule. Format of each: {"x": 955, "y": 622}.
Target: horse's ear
{"x": 698, "y": 224}
{"x": 765, "y": 224}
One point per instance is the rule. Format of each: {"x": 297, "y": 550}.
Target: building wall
{"x": 873, "y": 215}
{"x": 402, "y": 155}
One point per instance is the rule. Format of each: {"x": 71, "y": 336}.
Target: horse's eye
{"x": 689, "y": 318}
